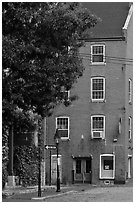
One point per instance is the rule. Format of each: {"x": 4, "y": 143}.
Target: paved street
{"x": 78, "y": 193}
{"x": 109, "y": 194}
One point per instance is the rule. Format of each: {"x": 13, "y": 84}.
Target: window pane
{"x": 129, "y": 85}
{"x": 98, "y": 53}
{"x": 108, "y": 164}
{"x": 97, "y": 58}
{"x": 97, "y": 49}
{"x": 62, "y": 123}
{"x": 98, "y": 88}
{"x": 98, "y": 123}
{"x": 63, "y": 133}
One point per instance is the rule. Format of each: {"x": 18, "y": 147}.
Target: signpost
{"x": 50, "y": 147}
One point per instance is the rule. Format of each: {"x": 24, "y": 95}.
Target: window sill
{"x": 65, "y": 139}
{"x": 98, "y": 101}
{"x": 97, "y": 138}
{"x": 98, "y": 63}
{"x": 106, "y": 178}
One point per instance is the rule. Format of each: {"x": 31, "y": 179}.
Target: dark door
{"x": 89, "y": 169}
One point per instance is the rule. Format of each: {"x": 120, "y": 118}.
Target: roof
{"x": 113, "y": 16}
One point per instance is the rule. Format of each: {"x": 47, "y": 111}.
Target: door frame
{"x": 60, "y": 166}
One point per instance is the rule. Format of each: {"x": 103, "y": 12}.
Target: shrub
{"x": 4, "y": 155}
{"x": 26, "y": 165}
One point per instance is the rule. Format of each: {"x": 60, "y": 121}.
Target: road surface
{"x": 108, "y": 194}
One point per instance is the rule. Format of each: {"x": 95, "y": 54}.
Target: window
{"x": 130, "y": 128}
{"x": 66, "y": 95}
{"x": 98, "y": 54}
{"x": 130, "y": 90}
{"x": 97, "y": 89}
{"x": 98, "y": 126}
{"x": 78, "y": 166}
{"x": 107, "y": 166}
{"x": 62, "y": 124}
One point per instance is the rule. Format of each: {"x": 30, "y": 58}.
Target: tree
{"x": 40, "y": 55}
{"x": 36, "y": 61}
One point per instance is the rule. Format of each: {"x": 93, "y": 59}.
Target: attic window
{"x": 97, "y": 54}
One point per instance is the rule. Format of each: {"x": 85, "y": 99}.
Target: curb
{"x": 23, "y": 191}
{"x": 52, "y": 196}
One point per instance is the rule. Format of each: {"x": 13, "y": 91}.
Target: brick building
{"x": 96, "y": 130}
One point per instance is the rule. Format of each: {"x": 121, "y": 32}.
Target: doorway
{"x": 54, "y": 168}
{"x": 83, "y": 170}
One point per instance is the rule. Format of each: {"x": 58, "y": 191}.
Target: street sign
{"x": 50, "y": 147}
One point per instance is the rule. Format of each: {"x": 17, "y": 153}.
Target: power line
{"x": 86, "y": 58}
{"x": 121, "y": 58}
{"x": 109, "y": 57}
{"x": 114, "y": 61}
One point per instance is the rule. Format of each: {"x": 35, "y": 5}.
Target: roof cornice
{"x": 128, "y": 17}
{"x": 116, "y": 38}
{"x": 125, "y": 27}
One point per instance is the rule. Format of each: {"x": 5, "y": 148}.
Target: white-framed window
{"x": 130, "y": 128}
{"x": 107, "y": 166}
{"x": 97, "y": 54}
{"x": 62, "y": 124}
{"x": 66, "y": 94}
{"x": 129, "y": 165}
{"x": 98, "y": 126}
{"x": 97, "y": 89}
{"x": 130, "y": 90}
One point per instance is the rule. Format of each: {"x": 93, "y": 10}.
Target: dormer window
{"x": 97, "y": 54}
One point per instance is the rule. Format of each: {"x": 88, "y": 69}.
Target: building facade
{"x": 96, "y": 130}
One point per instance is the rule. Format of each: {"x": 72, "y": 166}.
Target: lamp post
{"x": 57, "y": 138}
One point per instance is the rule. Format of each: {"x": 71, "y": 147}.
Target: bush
{"x": 26, "y": 165}
{"x": 4, "y": 155}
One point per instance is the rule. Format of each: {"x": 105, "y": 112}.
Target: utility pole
{"x": 39, "y": 156}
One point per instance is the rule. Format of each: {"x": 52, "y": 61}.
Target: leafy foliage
{"x": 26, "y": 164}
{"x": 40, "y": 44}
{"x": 36, "y": 61}
{"x": 4, "y": 154}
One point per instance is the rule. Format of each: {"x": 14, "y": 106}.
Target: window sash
{"x": 98, "y": 126}
{"x": 130, "y": 90}
{"x": 97, "y": 88}
{"x": 130, "y": 127}
{"x": 97, "y": 54}
{"x": 62, "y": 124}
{"x": 111, "y": 166}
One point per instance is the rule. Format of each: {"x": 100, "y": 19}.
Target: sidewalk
{"x": 31, "y": 193}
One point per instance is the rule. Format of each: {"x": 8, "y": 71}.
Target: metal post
{"x": 39, "y": 156}
{"x": 58, "y": 176}
{"x": 50, "y": 170}
{"x": 39, "y": 172}
{"x": 11, "y": 151}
